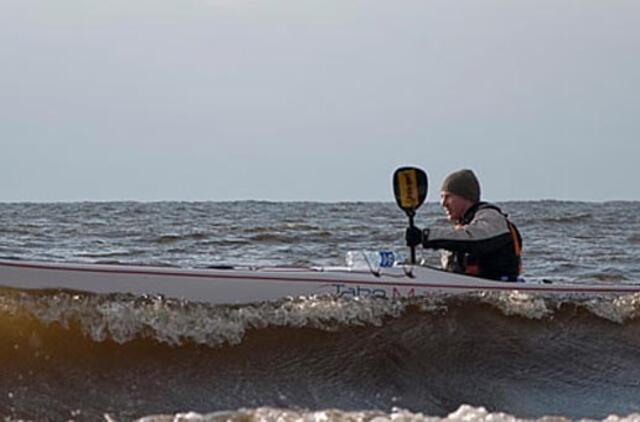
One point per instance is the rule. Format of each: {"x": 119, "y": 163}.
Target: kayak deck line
{"x": 197, "y": 272}
{"x": 252, "y": 274}
{"x": 248, "y": 271}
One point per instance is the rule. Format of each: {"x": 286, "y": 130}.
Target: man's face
{"x": 454, "y": 205}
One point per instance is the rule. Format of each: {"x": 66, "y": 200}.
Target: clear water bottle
{"x": 371, "y": 260}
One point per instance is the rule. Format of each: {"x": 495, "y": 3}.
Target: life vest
{"x": 499, "y": 265}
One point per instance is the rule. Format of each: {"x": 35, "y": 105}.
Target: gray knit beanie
{"x": 463, "y": 183}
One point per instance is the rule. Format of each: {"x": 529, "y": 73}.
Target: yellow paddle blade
{"x": 410, "y": 188}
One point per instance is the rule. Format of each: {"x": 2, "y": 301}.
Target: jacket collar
{"x": 471, "y": 212}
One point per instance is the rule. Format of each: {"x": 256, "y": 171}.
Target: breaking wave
{"x": 463, "y": 413}
{"x": 122, "y": 318}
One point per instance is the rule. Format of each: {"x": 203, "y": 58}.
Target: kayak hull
{"x": 246, "y": 285}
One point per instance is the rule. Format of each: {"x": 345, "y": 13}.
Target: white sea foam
{"x": 122, "y": 318}
{"x": 617, "y": 309}
{"x": 464, "y": 413}
{"x": 515, "y": 303}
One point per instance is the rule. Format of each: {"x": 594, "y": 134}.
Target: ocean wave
{"x": 228, "y": 241}
{"x": 110, "y": 254}
{"x": 566, "y": 219}
{"x": 293, "y": 238}
{"x": 465, "y": 413}
{"x": 272, "y": 238}
{"x": 173, "y": 238}
{"x": 124, "y": 318}
{"x": 10, "y": 231}
{"x": 290, "y": 226}
{"x": 526, "y": 355}
{"x": 601, "y": 276}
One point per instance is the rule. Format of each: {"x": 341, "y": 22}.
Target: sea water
{"x": 475, "y": 356}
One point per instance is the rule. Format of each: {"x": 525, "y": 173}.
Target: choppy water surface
{"x": 472, "y": 357}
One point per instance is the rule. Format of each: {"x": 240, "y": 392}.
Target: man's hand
{"x": 413, "y": 236}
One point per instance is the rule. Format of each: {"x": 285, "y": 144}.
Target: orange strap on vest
{"x": 516, "y": 246}
{"x": 472, "y": 269}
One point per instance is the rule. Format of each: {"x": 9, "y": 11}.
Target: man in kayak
{"x": 482, "y": 241}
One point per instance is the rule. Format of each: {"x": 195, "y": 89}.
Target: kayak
{"x": 238, "y": 285}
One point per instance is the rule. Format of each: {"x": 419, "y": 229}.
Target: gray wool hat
{"x": 464, "y": 183}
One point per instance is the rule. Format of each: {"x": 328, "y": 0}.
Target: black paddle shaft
{"x": 413, "y": 248}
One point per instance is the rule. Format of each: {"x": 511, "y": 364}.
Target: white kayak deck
{"x": 246, "y": 285}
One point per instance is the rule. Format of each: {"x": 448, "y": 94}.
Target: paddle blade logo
{"x": 408, "y": 189}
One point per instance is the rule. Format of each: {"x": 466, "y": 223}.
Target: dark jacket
{"x": 484, "y": 243}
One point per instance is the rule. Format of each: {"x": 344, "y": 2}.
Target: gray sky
{"x": 317, "y": 100}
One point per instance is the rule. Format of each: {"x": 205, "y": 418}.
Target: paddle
{"x": 410, "y": 188}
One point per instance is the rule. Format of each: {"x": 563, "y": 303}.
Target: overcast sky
{"x": 317, "y": 100}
